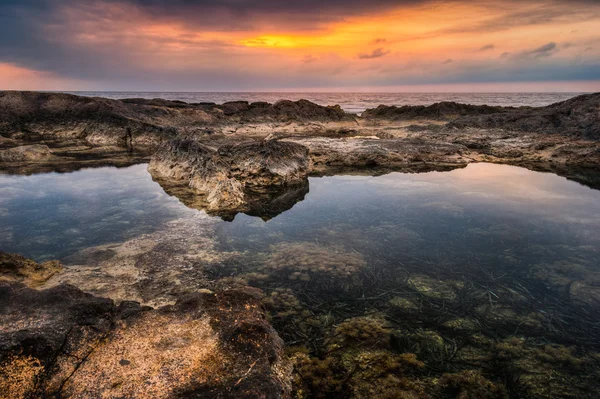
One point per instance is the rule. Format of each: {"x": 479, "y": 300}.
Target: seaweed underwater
{"x": 442, "y": 302}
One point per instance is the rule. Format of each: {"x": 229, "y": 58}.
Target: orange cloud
{"x": 407, "y": 43}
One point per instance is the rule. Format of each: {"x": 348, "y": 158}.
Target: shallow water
{"x": 491, "y": 268}
{"x": 50, "y": 216}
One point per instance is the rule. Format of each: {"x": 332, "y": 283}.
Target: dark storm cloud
{"x": 377, "y": 53}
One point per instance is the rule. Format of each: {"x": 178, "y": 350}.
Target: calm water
{"x": 449, "y": 214}
{"x": 491, "y": 268}
{"x": 353, "y": 102}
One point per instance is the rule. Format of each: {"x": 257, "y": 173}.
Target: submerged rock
{"x": 64, "y": 343}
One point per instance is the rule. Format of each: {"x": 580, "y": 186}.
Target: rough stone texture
{"x": 64, "y": 343}
{"x": 24, "y": 153}
{"x": 15, "y": 267}
{"x": 439, "y": 111}
{"x": 579, "y": 116}
{"x": 233, "y": 177}
{"x": 101, "y": 121}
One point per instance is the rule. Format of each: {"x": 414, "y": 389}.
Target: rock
{"x": 437, "y": 111}
{"x": 579, "y": 117}
{"x": 233, "y": 176}
{"x": 101, "y": 121}
{"x": 25, "y": 153}
{"x": 64, "y": 343}
{"x": 15, "y": 267}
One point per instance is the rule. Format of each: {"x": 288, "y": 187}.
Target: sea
{"x": 350, "y": 102}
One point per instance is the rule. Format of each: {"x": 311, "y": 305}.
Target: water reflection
{"x": 263, "y": 204}
{"x": 482, "y": 276}
{"x": 52, "y": 215}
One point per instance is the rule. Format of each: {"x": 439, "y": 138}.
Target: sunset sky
{"x": 308, "y": 45}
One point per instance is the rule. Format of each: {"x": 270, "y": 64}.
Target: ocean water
{"x": 352, "y": 102}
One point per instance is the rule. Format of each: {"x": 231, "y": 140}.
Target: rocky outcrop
{"x": 101, "y": 121}
{"x": 61, "y": 342}
{"x": 17, "y": 268}
{"x": 578, "y": 117}
{"x": 233, "y": 177}
{"x": 445, "y": 111}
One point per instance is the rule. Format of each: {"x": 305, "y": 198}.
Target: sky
{"x": 307, "y": 45}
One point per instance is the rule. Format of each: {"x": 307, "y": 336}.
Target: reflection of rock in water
{"x": 265, "y": 204}
{"x": 231, "y": 178}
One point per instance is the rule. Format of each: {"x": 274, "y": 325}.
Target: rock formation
{"x": 233, "y": 177}
{"x": 61, "y": 342}
{"x": 17, "y": 268}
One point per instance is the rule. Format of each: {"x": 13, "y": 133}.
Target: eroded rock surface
{"x": 17, "y": 268}
{"x": 34, "y": 152}
{"x": 61, "y": 342}
{"x": 233, "y": 177}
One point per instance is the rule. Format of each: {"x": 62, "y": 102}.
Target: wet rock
{"x": 17, "y": 268}
{"x": 233, "y": 178}
{"x": 64, "y": 343}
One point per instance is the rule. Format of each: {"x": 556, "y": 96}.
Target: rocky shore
{"x": 112, "y": 324}
{"x": 60, "y": 342}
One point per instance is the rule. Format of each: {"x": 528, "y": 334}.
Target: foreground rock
{"x": 64, "y": 343}
{"x": 17, "y": 268}
{"x": 24, "y": 153}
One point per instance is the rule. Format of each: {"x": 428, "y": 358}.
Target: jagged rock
{"x": 234, "y": 176}
{"x": 64, "y": 343}
{"x": 579, "y": 116}
{"x": 438, "y": 111}
{"x": 101, "y": 121}
{"x": 15, "y": 267}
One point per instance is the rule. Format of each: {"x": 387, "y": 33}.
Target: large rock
{"x": 64, "y": 343}
{"x": 438, "y": 111}
{"x": 579, "y": 117}
{"x": 233, "y": 177}
{"x": 102, "y": 121}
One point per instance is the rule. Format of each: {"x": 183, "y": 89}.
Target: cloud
{"x": 487, "y": 47}
{"x": 448, "y": 61}
{"x": 198, "y": 44}
{"x": 377, "y": 53}
{"x": 543, "y": 51}
{"x": 309, "y": 58}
